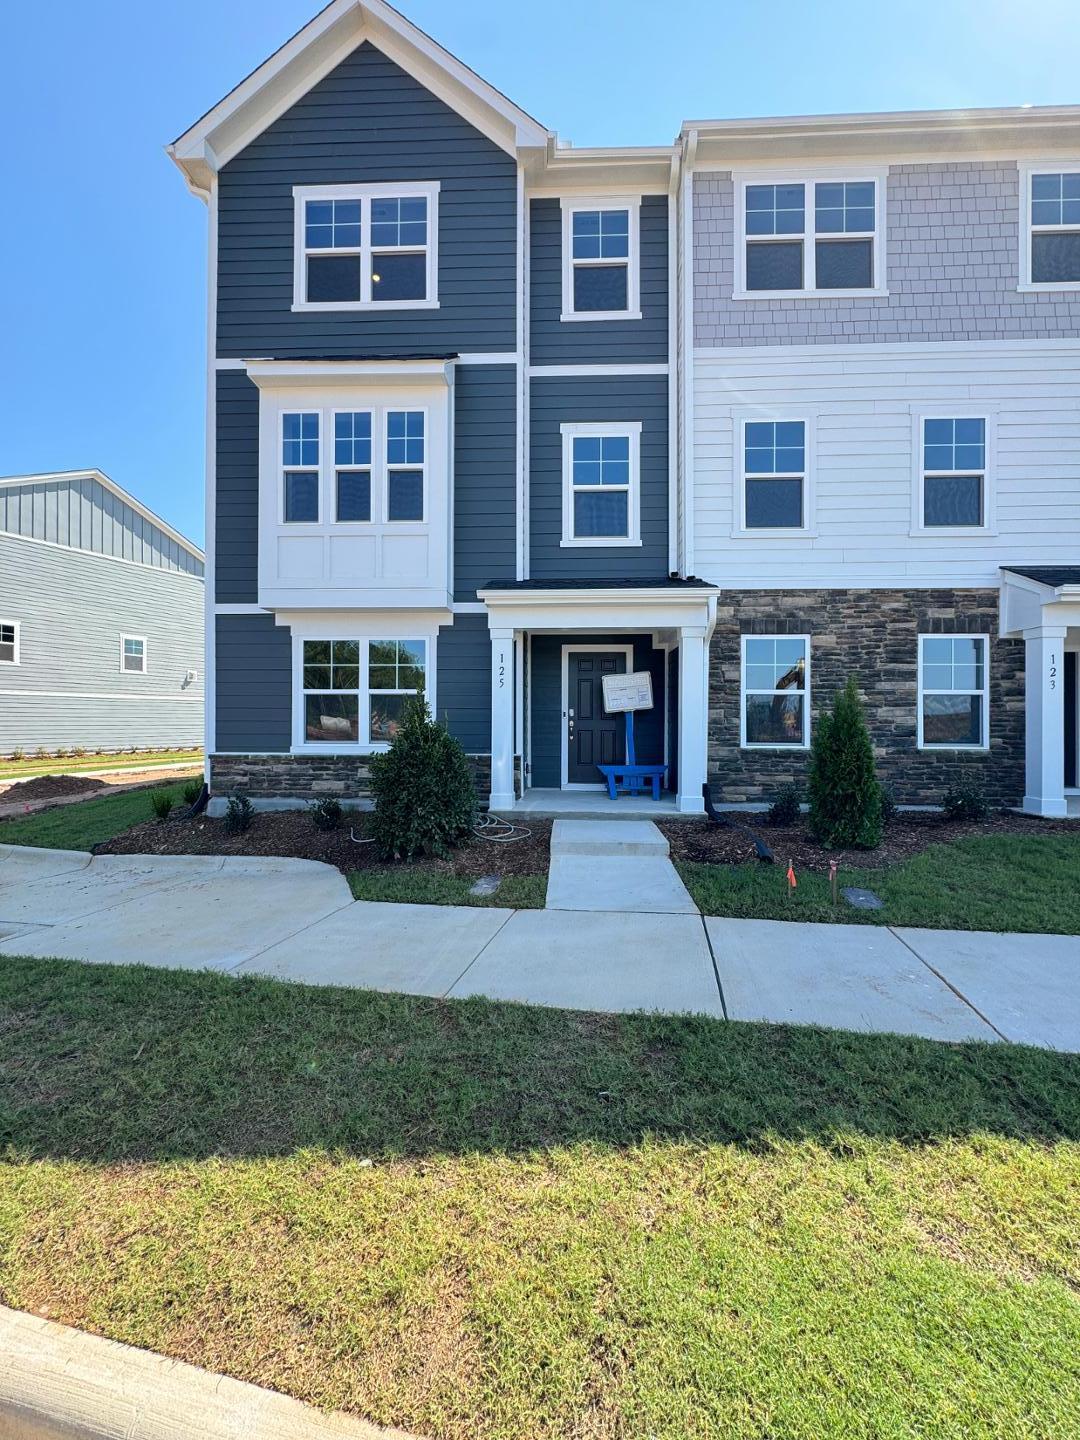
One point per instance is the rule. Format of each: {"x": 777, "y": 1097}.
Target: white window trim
{"x": 1027, "y": 169}
{"x": 17, "y": 626}
{"x": 301, "y": 526}
{"x": 629, "y": 203}
{"x": 406, "y": 190}
{"x": 631, "y": 429}
{"x": 371, "y": 468}
{"x": 918, "y": 493}
{"x": 422, "y": 466}
{"x": 809, "y": 177}
{"x": 145, "y": 655}
{"x": 745, "y": 744}
{"x": 984, "y": 745}
{"x": 364, "y": 746}
{"x": 807, "y": 529}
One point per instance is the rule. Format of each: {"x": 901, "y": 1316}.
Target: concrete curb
{"x": 61, "y": 1384}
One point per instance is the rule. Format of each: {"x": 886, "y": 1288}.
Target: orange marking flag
{"x": 792, "y": 882}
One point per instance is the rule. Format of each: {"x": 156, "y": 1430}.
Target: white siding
{"x": 861, "y": 403}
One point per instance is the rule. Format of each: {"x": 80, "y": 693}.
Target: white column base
{"x": 690, "y": 805}
{"x": 499, "y": 800}
{"x": 1049, "y": 809}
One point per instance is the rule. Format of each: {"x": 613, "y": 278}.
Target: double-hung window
{"x": 396, "y": 670}
{"x": 775, "y": 691}
{"x": 601, "y": 486}
{"x": 953, "y": 488}
{"x": 384, "y": 443}
{"x": 352, "y": 466}
{"x": 600, "y": 260}
{"x": 364, "y": 246}
{"x": 405, "y": 461}
{"x": 9, "y": 642}
{"x": 774, "y": 481}
{"x": 954, "y": 692}
{"x": 133, "y": 654}
{"x": 1051, "y": 237}
{"x": 801, "y": 237}
{"x": 331, "y": 678}
{"x": 300, "y": 467}
{"x": 353, "y": 690}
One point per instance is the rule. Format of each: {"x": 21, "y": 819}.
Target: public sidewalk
{"x": 296, "y": 920}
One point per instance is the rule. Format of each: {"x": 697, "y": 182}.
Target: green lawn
{"x": 32, "y": 765}
{"x": 486, "y": 1222}
{"x": 988, "y": 882}
{"x": 414, "y": 886}
{"x": 78, "y": 827}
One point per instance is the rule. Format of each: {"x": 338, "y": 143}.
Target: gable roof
{"x": 312, "y": 53}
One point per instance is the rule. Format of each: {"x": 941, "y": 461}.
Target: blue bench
{"x": 632, "y": 778}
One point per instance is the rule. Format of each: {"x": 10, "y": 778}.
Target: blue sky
{"x": 104, "y": 309}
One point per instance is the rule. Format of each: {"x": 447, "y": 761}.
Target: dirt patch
{"x": 906, "y": 836}
{"x": 291, "y": 833}
{"x": 48, "y": 787}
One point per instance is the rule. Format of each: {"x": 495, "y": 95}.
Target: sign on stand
{"x": 628, "y": 692}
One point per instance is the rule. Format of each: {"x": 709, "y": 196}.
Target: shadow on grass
{"x": 104, "y": 1063}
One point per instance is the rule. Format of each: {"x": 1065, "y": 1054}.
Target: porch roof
{"x": 1053, "y": 575}
{"x": 662, "y": 582}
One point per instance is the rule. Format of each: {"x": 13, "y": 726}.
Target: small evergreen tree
{"x": 424, "y": 795}
{"x": 843, "y": 791}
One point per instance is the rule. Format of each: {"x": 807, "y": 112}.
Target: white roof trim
{"x": 892, "y": 121}
{"x": 52, "y": 477}
{"x": 337, "y": 372}
{"x": 313, "y": 53}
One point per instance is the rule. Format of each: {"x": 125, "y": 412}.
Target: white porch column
{"x": 1044, "y": 720}
{"x": 693, "y": 718}
{"x": 502, "y": 719}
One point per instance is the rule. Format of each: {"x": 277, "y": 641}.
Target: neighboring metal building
{"x": 101, "y": 619}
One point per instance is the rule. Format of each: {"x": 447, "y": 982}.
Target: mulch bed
{"x": 48, "y": 787}
{"x": 291, "y": 833}
{"x": 906, "y": 836}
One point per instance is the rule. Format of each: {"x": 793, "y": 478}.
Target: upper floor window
{"x": 133, "y": 654}
{"x": 954, "y": 692}
{"x": 774, "y": 481}
{"x": 352, "y": 466}
{"x": 364, "y": 246}
{"x": 9, "y": 642}
{"x": 1051, "y": 244}
{"x": 601, "y": 490}
{"x": 952, "y": 491}
{"x": 802, "y": 236}
{"x": 405, "y": 465}
{"x": 600, "y": 260}
{"x": 300, "y": 467}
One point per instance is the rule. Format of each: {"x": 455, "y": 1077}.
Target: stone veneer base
{"x": 286, "y": 782}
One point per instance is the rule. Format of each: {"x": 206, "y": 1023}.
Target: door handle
{"x": 570, "y": 715}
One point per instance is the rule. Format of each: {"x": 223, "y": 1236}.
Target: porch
{"x": 552, "y": 804}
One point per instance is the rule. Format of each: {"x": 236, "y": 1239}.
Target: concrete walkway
{"x": 620, "y": 866}
{"x": 296, "y": 920}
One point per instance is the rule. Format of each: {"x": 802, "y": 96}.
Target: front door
{"x": 592, "y": 737}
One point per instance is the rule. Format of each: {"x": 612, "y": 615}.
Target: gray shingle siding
{"x": 952, "y": 263}
{"x": 463, "y": 681}
{"x": 236, "y": 546}
{"x": 367, "y": 121}
{"x": 254, "y": 684}
{"x": 562, "y": 401}
{"x": 485, "y": 475}
{"x": 581, "y": 342}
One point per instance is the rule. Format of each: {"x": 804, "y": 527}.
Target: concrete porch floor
{"x": 585, "y": 804}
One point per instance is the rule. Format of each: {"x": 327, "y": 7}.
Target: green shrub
{"x": 326, "y": 814}
{"x": 844, "y": 795}
{"x": 889, "y": 807}
{"x": 965, "y": 800}
{"x": 18, "y": 753}
{"x": 423, "y": 791}
{"x": 161, "y": 802}
{"x": 239, "y": 813}
{"x": 191, "y": 791}
{"x": 787, "y": 807}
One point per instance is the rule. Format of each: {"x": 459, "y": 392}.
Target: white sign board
{"x": 628, "y": 692}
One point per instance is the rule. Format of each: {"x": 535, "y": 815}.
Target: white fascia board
{"x": 312, "y": 53}
{"x": 614, "y": 611}
{"x": 52, "y": 477}
{"x": 892, "y": 121}
{"x": 272, "y": 374}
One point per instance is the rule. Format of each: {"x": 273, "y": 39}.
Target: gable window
{"x": 953, "y": 482}
{"x": 775, "y": 691}
{"x": 804, "y": 236}
{"x": 600, "y": 260}
{"x": 954, "y": 692}
{"x": 352, "y": 466}
{"x": 133, "y": 654}
{"x": 353, "y": 690}
{"x": 405, "y": 465}
{"x": 601, "y": 487}
{"x": 300, "y": 467}
{"x": 774, "y": 475}
{"x": 365, "y": 246}
{"x": 9, "y": 642}
{"x": 396, "y": 670}
{"x": 1052, "y": 241}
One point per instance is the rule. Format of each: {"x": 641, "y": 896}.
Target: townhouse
{"x": 493, "y": 417}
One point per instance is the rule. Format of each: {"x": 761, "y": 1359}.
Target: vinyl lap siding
{"x": 254, "y": 684}
{"x": 463, "y": 681}
{"x": 236, "y": 576}
{"x": 367, "y": 121}
{"x": 485, "y": 475}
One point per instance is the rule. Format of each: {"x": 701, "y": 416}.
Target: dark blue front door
{"x": 593, "y": 737}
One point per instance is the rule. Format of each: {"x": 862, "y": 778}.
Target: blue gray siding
{"x": 236, "y": 547}
{"x": 79, "y": 511}
{"x": 485, "y": 475}
{"x": 367, "y": 121}
{"x": 952, "y": 268}
{"x": 560, "y": 401}
{"x": 582, "y": 342}
{"x": 463, "y": 681}
{"x": 545, "y": 689}
{"x": 254, "y": 684}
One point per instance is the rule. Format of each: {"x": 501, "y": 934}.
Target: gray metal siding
{"x": 546, "y": 712}
{"x": 68, "y": 688}
{"x": 561, "y": 401}
{"x": 236, "y": 547}
{"x": 368, "y": 121}
{"x": 80, "y": 512}
{"x": 581, "y": 342}
{"x": 463, "y": 681}
{"x": 485, "y": 475}
{"x": 254, "y": 684}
